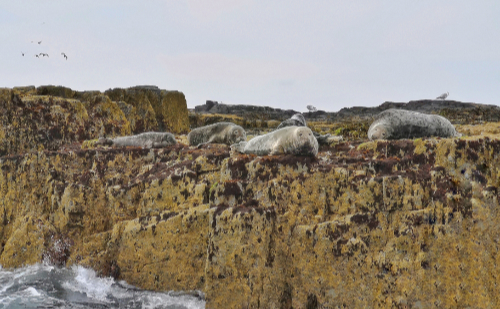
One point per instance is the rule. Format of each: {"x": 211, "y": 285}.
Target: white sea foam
{"x": 41, "y": 286}
{"x": 85, "y": 281}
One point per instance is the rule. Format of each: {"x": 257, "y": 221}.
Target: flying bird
{"x": 22, "y": 53}
{"x": 443, "y": 96}
{"x": 40, "y": 42}
{"x": 37, "y": 56}
{"x": 312, "y": 108}
{"x": 64, "y": 56}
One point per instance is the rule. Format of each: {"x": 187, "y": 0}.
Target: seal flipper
{"x": 210, "y": 140}
{"x": 240, "y": 147}
{"x": 276, "y": 150}
{"x": 201, "y": 145}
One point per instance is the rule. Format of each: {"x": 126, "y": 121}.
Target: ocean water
{"x": 42, "y": 286}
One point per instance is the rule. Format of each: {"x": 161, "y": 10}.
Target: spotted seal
{"x": 294, "y": 140}
{"x": 222, "y": 132}
{"x": 145, "y": 140}
{"x": 400, "y": 123}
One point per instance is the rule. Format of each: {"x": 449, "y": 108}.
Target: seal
{"x": 145, "y": 140}
{"x": 298, "y": 141}
{"x": 222, "y": 132}
{"x": 400, "y": 123}
{"x": 297, "y": 120}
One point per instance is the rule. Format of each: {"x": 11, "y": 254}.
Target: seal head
{"x": 378, "y": 131}
{"x": 303, "y": 143}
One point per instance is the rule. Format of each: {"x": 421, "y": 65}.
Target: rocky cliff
{"x": 51, "y": 117}
{"x": 400, "y": 224}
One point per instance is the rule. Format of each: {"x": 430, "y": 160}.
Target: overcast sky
{"x": 285, "y": 54}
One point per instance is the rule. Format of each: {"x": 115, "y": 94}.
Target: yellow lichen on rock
{"x": 384, "y": 224}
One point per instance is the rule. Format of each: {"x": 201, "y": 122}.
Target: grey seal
{"x": 294, "y": 140}
{"x": 222, "y": 132}
{"x": 299, "y": 121}
{"x": 145, "y": 140}
{"x": 400, "y": 123}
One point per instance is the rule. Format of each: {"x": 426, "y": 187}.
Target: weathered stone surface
{"x": 382, "y": 224}
{"x": 50, "y": 117}
{"x": 154, "y": 109}
{"x": 375, "y": 224}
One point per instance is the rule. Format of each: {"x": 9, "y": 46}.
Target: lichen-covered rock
{"x": 375, "y": 224}
{"x": 154, "y": 109}
{"x": 32, "y": 122}
{"x": 51, "y": 117}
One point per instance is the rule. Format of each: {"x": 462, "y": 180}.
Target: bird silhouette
{"x": 40, "y": 42}
{"x": 64, "y": 56}
{"x": 443, "y": 96}
{"x": 37, "y": 56}
{"x": 22, "y": 53}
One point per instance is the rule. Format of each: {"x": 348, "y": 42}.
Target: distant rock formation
{"x": 455, "y": 111}
{"x": 247, "y": 111}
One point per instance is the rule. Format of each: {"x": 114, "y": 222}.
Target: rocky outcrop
{"x": 409, "y": 223}
{"x": 50, "y": 117}
{"x": 457, "y": 112}
{"x": 252, "y": 112}
{"x": 153, "y": 109}
{"x": 364, "y": 224}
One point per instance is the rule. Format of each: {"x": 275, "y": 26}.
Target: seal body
{"x": 399, "y": 123}
{"x": 297, "y": 120}
{"x": 294, "y": 140}
{"x": 222, "y": 132}
{"x": 146, "y": 140}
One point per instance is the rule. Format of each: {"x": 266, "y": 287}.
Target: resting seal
{"x": 222, "y": 132}
{"x": 298, "y": 141}
{"x": 298, "y": 120}
{"x": 400, "y": 123}
{"x": 145, "y": 140}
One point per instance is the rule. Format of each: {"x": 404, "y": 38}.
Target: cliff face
{"x": 50, "y": 117}
{"x": 410, "y": 223}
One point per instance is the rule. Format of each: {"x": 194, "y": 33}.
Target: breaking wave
{"x": 43, "y": 286}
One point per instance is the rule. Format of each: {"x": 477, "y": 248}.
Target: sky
{"x": 284, "y": 54}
